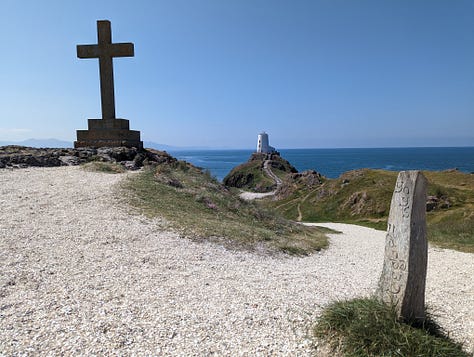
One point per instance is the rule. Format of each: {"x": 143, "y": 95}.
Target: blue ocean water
{"x": 333, "y": 162}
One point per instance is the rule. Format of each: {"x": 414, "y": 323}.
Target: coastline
{"x": 333, "y": 162}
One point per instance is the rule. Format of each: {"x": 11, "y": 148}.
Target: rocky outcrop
{"x": 239, "y": 179}
{"x": 435, "y": 203}
{"x": 293, "y": 182}
{"x": 274, "y": 160}
{"x": 131, "y": 158}
{"x": 258, "y": 173}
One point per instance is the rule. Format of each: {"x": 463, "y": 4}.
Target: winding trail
{"x": 82, "y": 273}
{"x": 249, "y": 196}
{"x": 300, "y": 214}
{"x": 268, "y": 170}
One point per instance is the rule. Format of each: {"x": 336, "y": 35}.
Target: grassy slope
{"x": 363, "y": 197}
{"x": 453, "y": 227}
{"x": 201, "y": 208}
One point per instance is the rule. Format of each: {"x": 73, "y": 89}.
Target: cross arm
{"x": 88, "y": 51}
{"x": 112, "y": 50}
{"x": 125, "y": 49}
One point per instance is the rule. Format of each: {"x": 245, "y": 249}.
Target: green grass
{"x": 355, "y": 195}
{"x": 367, "y": 327}
{"x": 199, "y": 207}
{"x": 107, "y": 167}
{"x": 363, "y": 197}
{"x": 252, "y": 177}
{"x": 453, "y": 230}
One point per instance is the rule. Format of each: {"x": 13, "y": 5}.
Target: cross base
{"x": 108, "y": 133}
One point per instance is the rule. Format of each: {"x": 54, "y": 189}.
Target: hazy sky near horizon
{"x": 215, "y": 73}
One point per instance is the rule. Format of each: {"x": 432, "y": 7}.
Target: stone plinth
{"x": 402, "y": 283}
{"x": 108, "y": 133}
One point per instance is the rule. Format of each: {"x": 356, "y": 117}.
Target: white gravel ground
{"x": 82, "y": 275}
{"x": 249, "y": 196}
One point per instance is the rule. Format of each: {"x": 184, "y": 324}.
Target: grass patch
{"x": 367, "y": 327}
{"x": 107, "y": 167}
{"x": 199, "y": 207}
{"x": 454, "y": 230}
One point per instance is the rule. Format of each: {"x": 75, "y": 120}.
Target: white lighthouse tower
{"x": 262, "y": 144}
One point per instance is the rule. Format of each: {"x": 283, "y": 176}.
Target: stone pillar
{"x": 403, "y": 278}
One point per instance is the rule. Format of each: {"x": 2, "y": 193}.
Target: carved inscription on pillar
{"x": 402, "y": 282}
{"x": 398, "y": 265}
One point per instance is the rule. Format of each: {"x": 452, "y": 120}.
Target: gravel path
{"x": 249, "y": 196}
{"x": 80, "y": 274}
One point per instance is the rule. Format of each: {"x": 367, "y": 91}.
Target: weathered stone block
{"x": 102, "y": 124}
{"x": 108, "y": 143}
{"x": 108, "y": 133}
{"x": 403, "y": 278}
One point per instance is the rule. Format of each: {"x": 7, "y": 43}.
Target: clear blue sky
{"x": 214, "y": 73}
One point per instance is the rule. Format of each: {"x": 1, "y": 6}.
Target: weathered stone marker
{"x": 107, "y": 131}
{"x": 403, "y": 278}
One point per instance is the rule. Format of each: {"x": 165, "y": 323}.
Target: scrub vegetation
{"x": 199, "y": 207}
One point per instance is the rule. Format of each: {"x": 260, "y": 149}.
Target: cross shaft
{"x": 105, "y": 50}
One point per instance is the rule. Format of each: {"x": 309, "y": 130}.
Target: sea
{"x": 333, "y": 162}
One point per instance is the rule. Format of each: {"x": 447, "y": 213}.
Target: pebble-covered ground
{"x": 83, "y": 274}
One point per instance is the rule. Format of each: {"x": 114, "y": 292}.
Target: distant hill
{"x": 40, "y": 143}
{"x": 55, "y": 143}
{"x": 163, "y": 147}
{"x": 157, "y": 146}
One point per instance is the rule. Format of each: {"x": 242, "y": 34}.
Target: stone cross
{"x": 402, "y": 283}
{"x": 108, "y": 131}
{"x": 105, "y": 50}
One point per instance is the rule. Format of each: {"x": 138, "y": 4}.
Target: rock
{"x": 138, "y": 159}
{"x": 85, "y": 153}
{"x": 129, "y": 165}
{"x": 131, "y": 158}
{"x": 434, "y": 202}
{"x": 170, "y": 181}
{"x": 157, "y": 156}
{"x": 69, "y": 160}
{"x": 308, "y": 179}
{"x": 431, "y": 203}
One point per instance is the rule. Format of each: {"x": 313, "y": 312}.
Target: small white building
{"x": 262, "y": 144}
